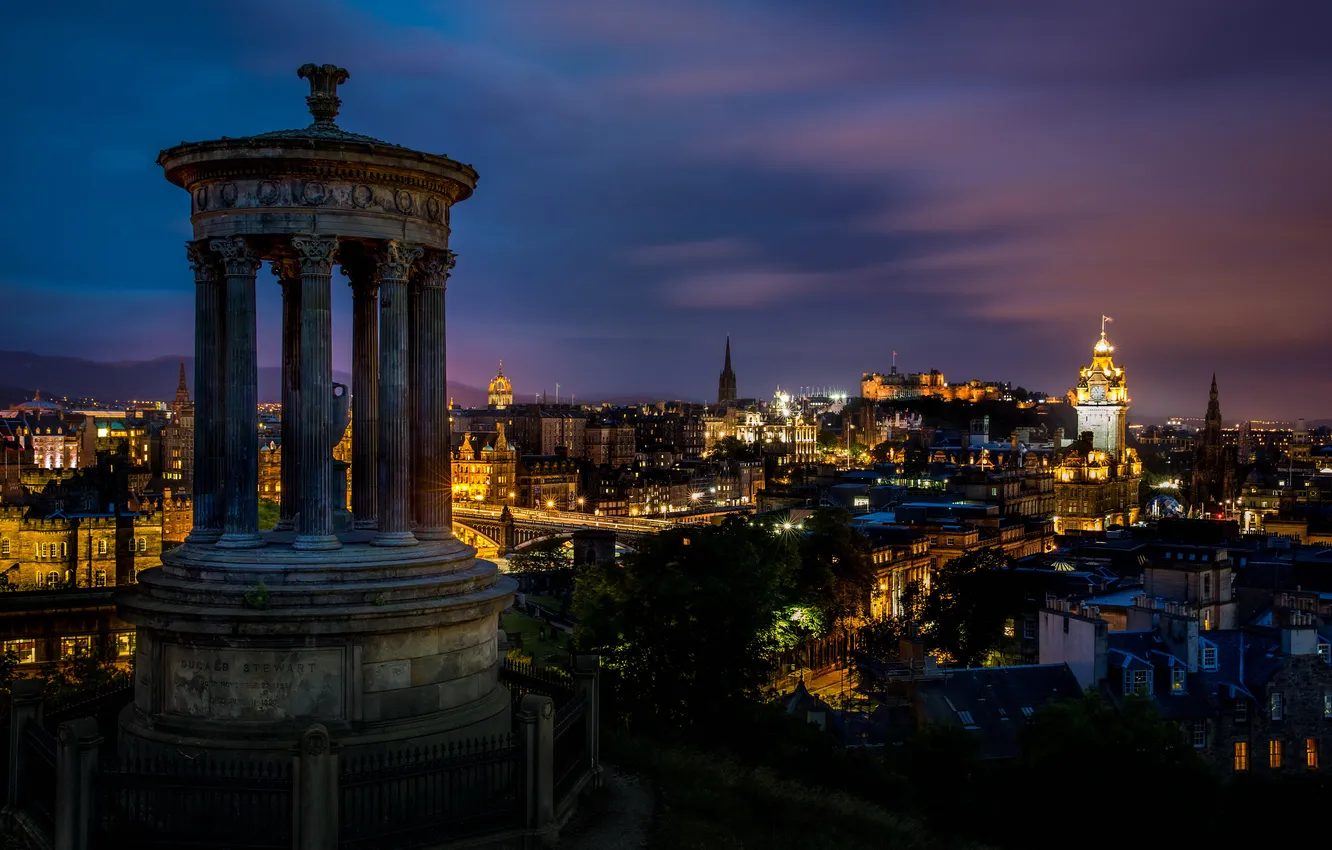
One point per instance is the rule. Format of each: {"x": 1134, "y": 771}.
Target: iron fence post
{"x": 76, "y": 760}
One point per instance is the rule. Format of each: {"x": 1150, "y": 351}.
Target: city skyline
{"x": 827, "y": 189}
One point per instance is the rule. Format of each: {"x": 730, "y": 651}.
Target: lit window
{"x": 1177, "y": 680}
{"x": 1275, "y": 749}
{"x": 75, "y": 645}
{"x": 124, "y": 644}
{"x": 1240, "y": 756}
{"x": 1009, "y": 630}
{"x": 99, "y": 578}
{"x": 1311, "y": 753}
{"x": 24, "y": 650}
{"x": 1275, "y": 708}
{"x": 101, "y": 547}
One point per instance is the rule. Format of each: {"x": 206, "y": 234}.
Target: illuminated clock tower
{"x": 1101, "y": 399}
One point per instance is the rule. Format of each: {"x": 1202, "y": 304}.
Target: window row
{"x": 51, "y": 551}
{"x": 1276, "y": 754}
{"x": 120, "y": 645}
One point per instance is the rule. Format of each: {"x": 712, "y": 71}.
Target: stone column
{"x": 432, "y": 493}
{"x": 316, "y": 798}
{"x": 240, "y": 489}
{"x": 77, "y": 742}
{"x": 395, "y": 264}
{"x": 209, "y": 380}
{"x": 536, "y": 725}
{"x": 314, "y": 428}
{"x": 289, "y": 277}
{"x": 365, "y": 391}
{"x": 25, "y": 707}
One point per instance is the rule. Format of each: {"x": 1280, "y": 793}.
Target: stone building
{"x": 610, "y": 443}
{"x": 877, "y": 386}
{"x": 77, "y": 549}
{"x": 901, "y": 556}
{"x": 1097, "y": 480}
{"x": 178, "y": 441}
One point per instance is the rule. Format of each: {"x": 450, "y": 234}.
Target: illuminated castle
{"x": 1096, "y": 482}
{"x": 500, "y": 394}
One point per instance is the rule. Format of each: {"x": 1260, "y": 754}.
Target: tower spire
{"x": 726, "y": 383}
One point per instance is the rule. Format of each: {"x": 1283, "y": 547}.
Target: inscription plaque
{"x": 254, "y": 684}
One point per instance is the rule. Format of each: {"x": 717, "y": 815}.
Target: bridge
{"x": 488, "y": 528}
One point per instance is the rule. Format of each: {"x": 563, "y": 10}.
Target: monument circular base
{"x": 239, "y": 651}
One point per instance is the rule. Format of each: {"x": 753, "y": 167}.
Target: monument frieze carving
{"x": 300, "y": 192}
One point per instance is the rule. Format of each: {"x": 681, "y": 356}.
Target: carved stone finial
{"x": 323, "y": 100}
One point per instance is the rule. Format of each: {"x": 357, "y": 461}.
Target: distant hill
{"x": 149, "y": 380}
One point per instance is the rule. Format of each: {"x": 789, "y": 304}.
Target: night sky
{"x": 971, "y": 186}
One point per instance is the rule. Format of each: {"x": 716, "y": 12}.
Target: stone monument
{"x": 384, "y": 628}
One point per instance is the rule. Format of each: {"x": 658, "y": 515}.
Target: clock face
{"x": 1098, "y": 392}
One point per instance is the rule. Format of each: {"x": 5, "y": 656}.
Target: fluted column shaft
{"x": 415, "y": 330}
{"x": 365, "y": 396}
{"x": 433, "y": 497}
{"x": 288, "y": 274}
{"x": 240, "y": 490}
{"x": 209, "y": 380}
{"x": 314, "y": 429}
{"x": 395, "y": 265}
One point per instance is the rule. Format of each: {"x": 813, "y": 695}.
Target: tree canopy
{"x": 963, "y": 611}
{"x": 687, "y": 624}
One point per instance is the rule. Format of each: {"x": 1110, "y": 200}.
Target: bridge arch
{"x": 475, "y": 537}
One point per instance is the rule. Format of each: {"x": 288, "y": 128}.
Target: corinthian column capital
{"x": 435, "y": 268}
{"x": 396, "y": 259}
{"x": 238, "y": 256}
{"x": 315, "y": 253}
{"x": 202, "y": 261}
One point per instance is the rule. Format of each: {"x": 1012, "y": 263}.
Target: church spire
{"x": 726, "y": 383}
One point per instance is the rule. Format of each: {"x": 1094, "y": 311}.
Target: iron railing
{"x": 418, "y": 798}
{"x": 522, "y": 678}
{"x": 572, "y": 755}
{"x": 167, "y": 803}
{"x": 37, "y": 785}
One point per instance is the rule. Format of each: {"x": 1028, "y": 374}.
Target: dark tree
{"x": 733, "y": 448}
{"x": 685, "y": 627}
{"x": 837, "y": 571}
{"x": 962, "y": 614}
{"x": 544, "y": 557}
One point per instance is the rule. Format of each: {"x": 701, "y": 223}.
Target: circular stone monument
{"x": 376, "y": 623}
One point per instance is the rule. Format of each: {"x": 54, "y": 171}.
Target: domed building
{"x": 500, "y": 394}
{"x": 38, "y": 406}
{"x": 1096, "y": 481}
